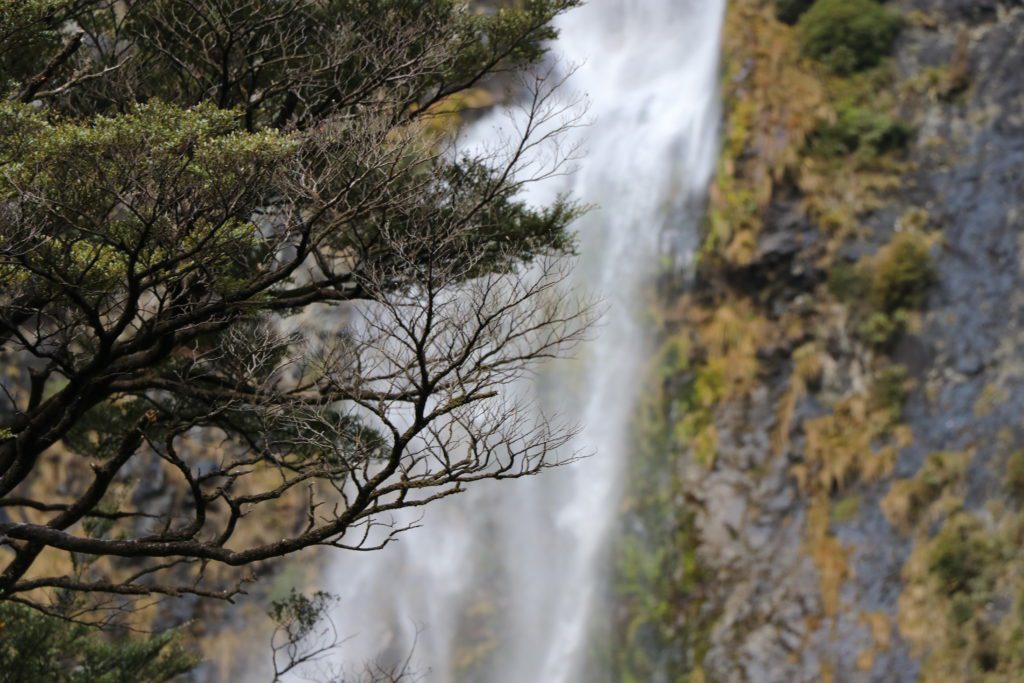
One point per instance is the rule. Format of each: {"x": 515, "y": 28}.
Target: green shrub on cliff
{"x": 882, "y": 292}
{"x": 900, "y": 277}
{"x": 860, "y": 130}
{"x": 848, "y": 35}
{"x": 960, "y": 554}
{"x": 789, "y": 11}
{"x": 903, "y": 275}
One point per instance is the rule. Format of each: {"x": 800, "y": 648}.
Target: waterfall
{"x": 502, "y": 583}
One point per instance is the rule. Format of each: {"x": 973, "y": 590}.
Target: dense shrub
{"x": 883, "y": 291}
{"x": 848, "y": 35}
{"x": 789, "y": 11}
{"x": 903, "y": 275}
{"x": 858, "y": 129}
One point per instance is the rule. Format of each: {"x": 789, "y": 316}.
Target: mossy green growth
{"x": 846, "y": 510}
{"x": 861, "y": 131}
{"x": 699, "y": 398}
{"x": 848, "y": 35}
{"x": 662, "y": 623}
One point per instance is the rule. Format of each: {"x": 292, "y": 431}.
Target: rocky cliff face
{"x": 836, "y": 423}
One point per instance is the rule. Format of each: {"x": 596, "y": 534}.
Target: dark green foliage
{"x": 860, "y": 130}
{"x": 36, "y": 648}
{"x": 298, "y": 615}
{"x": 30, "y": 30}
{"x": 960, "y": 554}
{"x": 180, "y": 177}
{"x": 883, "y": 291}
{"x": 848, "y": 35}
{"x": 789, "y": 11}
{"x": 296, "y": 75}
{"x": 903, "y": 275}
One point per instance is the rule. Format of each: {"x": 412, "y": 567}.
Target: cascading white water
{"x": 502, "y": 582}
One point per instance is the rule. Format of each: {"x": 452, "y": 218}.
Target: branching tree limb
{"x": 257, "y": 301}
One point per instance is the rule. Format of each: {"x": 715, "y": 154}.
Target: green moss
{"x": 659, "y": 578}
{"x": 699, "y": 397}
{"x": 846, "y": 509}
{"x": 848, "y": 35}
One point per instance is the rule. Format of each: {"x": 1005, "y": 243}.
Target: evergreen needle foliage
{"x": 35, "y": 647}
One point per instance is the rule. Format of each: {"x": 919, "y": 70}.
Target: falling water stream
{"x": 503, "y": 584}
